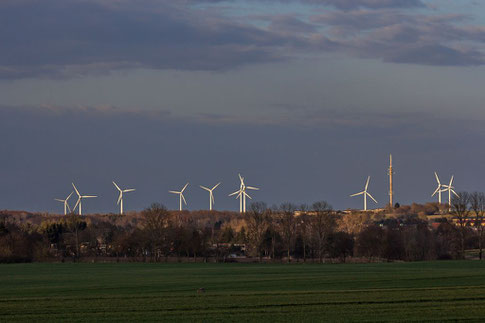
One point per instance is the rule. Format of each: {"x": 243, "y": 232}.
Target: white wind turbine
{"x": 439, "y": 189}
{"x": 181, "y": 196}
{"x": 365, "y": 193}
{"x": 120, "y": 198}
{"x": 80, "y": 199}
{"x": 449, "y": 188}
{"x": 211, "y": 195}
{"x": 241, "y": 194}
{"x": 66, "y": 205}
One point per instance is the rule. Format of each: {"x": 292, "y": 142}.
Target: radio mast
{"x": 390, "y": 182}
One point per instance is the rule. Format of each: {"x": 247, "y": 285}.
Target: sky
{"x": 304, "y": 98}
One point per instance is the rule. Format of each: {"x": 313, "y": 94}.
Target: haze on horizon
{"x": 305, "y": 98}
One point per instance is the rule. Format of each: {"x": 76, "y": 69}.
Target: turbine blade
{"x": 212, "y": 198}
{"x": 436, "y": 191}
{"x": 129, "y": 190}
{"x": 356, "y": 194}
{"x": 252, "y": 188}
{"x": 205, "y": 188}
{"x": 371, "y": 197}
{"x": 236, "y": 192}
{"x": 174, "y": 192}
{"x": 77, "y": 203}
{"x": 248, "y": 195}
{"x": 183, "y": 198}
{"x": 59, "y": 200}
{"x": 216, "y": 186}
{"x": 69, "y": 196}
{"x": 116, "y": 185}
{"x": 68, "y": 207}
{"x": 88, "y": 196}
{"x": 119, "y": 198}
{"x": 367, "y": 183}
{"x": 183, "y": 189}
{"x": 437, "y": 179}
{"x": 77, "y": 192}
{"x": 451, "y": 180}
{"x": 455, "y": 193}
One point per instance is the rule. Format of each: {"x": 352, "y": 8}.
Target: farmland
{"x": 440, "y": 291}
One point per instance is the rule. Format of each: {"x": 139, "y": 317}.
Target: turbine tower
{"x": 391, "y": 192}
{"x": 449, "y": 188}
{"x": 181, "y": 196}
{"x": 66, "y": 205}
{"x": 120, "y": 198}
{"x": 438, "y": 189}
{"x": 365, "y": 193}
{"x": 211, "y": 195}
{"x": 241, "y": 194}
{"x": 80, "y": 199}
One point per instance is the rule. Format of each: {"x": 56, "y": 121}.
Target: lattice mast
{"x": 391, "y": 192}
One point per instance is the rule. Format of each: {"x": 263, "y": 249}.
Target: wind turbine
{"x": 66, "y": 205}
{"x": 80, "y": 199}
{"x": 181, "y": 196}
{"x": 438, "y": 189}
{"x": 449, "y": 188}
{"x": 241, "y": 194}
{"x": 120, "y": 199}
{"x": 211, "y": 195}
{"x": 365, "y": 193}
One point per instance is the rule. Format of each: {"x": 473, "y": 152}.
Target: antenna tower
{"x": 391, "y": 192}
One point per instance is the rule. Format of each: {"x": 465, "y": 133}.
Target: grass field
{"x": 438, "y": 291}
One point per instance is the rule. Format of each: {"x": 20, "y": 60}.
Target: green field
{"x": 269, "y": 292}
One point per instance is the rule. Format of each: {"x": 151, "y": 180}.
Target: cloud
{"x": 308, "y": 117}
{"x": 58, "y": 39}
{"x": 374, "y": 4}
{"x": 399, "y": 37}
{"x": 55, "y": 38}
{"x": 342, "y": 4}
{"x": 291, "y": 24}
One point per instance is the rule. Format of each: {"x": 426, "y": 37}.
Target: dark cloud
{"x": 290, "y": 24}
{"x": 399, "y": 37}
{"x": 435, "y": 55}
{"x": 342, "y": 4}
{"x": 375, "y": 4}
{"x": 57, "y": 38}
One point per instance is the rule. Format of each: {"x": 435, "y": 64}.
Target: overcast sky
{"x": 306, "y": 98}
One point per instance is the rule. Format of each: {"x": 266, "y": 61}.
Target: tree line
{"x": 287, "y": 232}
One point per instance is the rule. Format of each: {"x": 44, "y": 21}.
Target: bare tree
{"x": 477, "y": 206}
{"x": 75, "y": 225}
{"x": 287, "y": 226}
{"x": 257, "y": 223}
{"x": 156, "y": 222}
{"x": 322, "y": 223}
{"x": 304, "y": 225}
{"x": 460, "y": 209}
